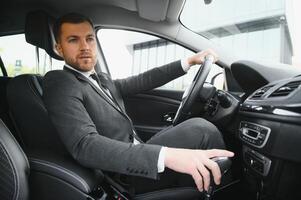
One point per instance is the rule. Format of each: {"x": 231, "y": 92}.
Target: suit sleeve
{"x": 150, "y": 79}
{"x": 64, "y": 100}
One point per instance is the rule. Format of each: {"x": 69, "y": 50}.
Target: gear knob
{"x": 224, "y": 164}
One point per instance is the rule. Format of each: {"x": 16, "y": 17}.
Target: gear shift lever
{"x": 224, "y": 164}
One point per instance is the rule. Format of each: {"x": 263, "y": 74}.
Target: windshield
{"x": 247, "y": 29}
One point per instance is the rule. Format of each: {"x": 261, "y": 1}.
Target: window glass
{"x": 46, "y": 63}
{"x": 248, "y": 29}
{"x": 129, "y": 53}
{"x": 20, "y": 57}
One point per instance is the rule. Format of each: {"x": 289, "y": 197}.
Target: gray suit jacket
{"x": 96, "y": 132}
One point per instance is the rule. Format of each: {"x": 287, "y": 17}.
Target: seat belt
{"x": 4, "y": 72}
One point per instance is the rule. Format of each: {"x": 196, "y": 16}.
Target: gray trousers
{"x": 195, "y": 133}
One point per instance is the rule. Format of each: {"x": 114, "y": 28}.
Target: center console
{"x": 256, "y": 161}
{"x": 257, "y": 136}
{"x": 269, "y": 131}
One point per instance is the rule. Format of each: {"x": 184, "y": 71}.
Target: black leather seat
{"x": 54, "y": 174}
{"x": 4, "y": 114}
{"x": 24, "y": 96}
{"x": 14, "y": 168}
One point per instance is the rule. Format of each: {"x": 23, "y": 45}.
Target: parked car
{"x": 252, "y": 94}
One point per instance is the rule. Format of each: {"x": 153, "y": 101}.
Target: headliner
{"x": 13, "y": 12}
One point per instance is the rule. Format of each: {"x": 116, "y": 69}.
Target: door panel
{"x": 147, "y": 110}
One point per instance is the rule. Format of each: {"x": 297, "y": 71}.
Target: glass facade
{"x": 247, "y": 29}
{"x": 139, "y": 52}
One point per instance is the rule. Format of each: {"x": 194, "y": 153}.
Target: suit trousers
{"x": 195, "y": 133}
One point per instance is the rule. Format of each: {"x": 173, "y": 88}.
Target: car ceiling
{"x": 13, "y": 12}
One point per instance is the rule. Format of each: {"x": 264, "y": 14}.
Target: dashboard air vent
{"x": 260, "y": 92}
{"x": 286, "y": 89}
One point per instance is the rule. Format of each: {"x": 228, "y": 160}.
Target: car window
{"x": 20, "y": 57}
{"x": 129, "y": 53}
{"x": 250, "y": 29}
{"x": 17, "y": 55}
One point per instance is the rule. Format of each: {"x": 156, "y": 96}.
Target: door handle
{"x": 169, "y": 117}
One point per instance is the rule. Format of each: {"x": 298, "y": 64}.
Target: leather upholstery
{"x": 14, "y": 168}
{"x": 37, "y": 29}
{"x": 51, "y": 165}
{"x": 65, "y": 169}
{"x": 4, "y": 114}
{"x": 24, "y": 94}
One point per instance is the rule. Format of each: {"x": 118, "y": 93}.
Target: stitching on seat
{"x": 13, "y": 169}
{"x": 49, "y": 164}
{"x": 16, "y": 142}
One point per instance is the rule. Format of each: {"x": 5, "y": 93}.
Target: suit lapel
{"x": 85, "y": 79}
{"x": 110, "y": 85}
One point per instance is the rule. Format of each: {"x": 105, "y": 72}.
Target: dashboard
{"x": 268, "y": 127}
{"x": 270, "y": 119}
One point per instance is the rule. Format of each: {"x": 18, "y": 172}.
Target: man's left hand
{"x": 199, "y": 57}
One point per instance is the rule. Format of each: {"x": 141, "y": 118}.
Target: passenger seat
{"x": 14, "y": 168}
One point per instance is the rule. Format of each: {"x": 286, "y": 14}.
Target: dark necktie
{"x": 108, "y": 94}
{"x": 103, "y": 88}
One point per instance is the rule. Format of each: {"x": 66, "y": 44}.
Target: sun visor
{"x": 38, "y": 32}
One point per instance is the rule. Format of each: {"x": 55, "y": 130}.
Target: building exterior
{"x": 249, "y": 29}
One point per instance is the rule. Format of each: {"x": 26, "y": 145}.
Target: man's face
{"x": 77, "y": 45}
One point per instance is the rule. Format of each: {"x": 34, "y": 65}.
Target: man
{"x": 88, "y": 113}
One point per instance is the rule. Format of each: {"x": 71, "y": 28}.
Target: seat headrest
{"x": 38, "y": 31}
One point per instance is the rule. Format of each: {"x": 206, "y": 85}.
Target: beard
{"x": 82, "y": 64}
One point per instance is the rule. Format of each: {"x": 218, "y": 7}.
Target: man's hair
{"x": 74, "y": 18}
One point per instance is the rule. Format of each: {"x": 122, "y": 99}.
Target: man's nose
{"x": 84, "y": 45}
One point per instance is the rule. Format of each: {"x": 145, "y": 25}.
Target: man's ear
{"x": 58, "y": 48}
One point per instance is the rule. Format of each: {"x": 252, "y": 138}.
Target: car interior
{"x": 257, "y": 106}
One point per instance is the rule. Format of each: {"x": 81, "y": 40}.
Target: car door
{"x": 128, "y": 53}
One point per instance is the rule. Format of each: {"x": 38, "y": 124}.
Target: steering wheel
{"x": 192, "y": 93}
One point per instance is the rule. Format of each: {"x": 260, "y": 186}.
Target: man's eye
{"x": 90, "y": 39}
{"x": 72, "y": 40}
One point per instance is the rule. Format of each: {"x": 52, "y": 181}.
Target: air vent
{"x": 286, "y": 89}
{"x": 260, "y": 92}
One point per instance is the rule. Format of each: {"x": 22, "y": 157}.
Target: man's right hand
{"x": 197, "y": 163}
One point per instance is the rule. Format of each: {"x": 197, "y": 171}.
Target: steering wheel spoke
{"x": 190, "y": 96}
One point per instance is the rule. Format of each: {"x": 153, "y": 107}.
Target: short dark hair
{"x": 74, "y": 18}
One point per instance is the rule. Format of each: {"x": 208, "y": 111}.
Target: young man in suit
{"x": 88, "y": 112}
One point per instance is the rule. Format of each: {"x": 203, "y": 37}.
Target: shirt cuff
{"x": 185, "y": 65}
{"x": 161, "y": 159}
